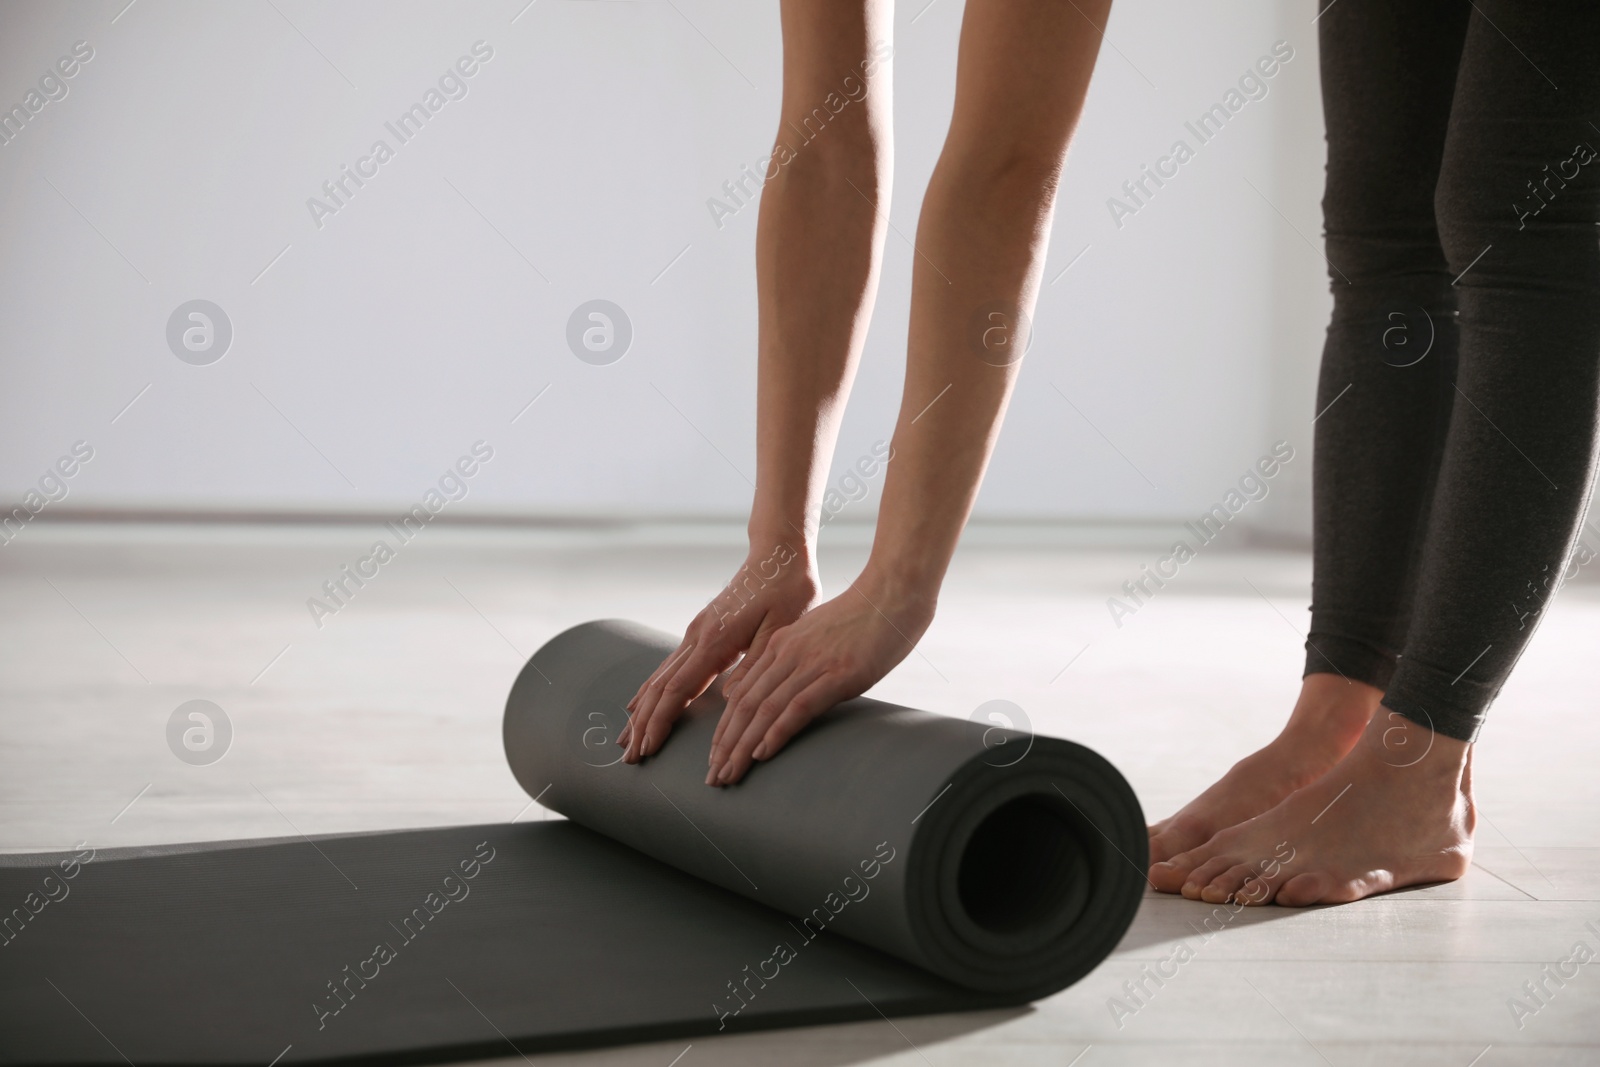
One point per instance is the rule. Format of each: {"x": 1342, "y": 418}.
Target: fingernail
{"x": 622, "y": 738}
{"x": 725, "y": 774}
{"x": 646, "y": 746}
{"x": 761, "y": 751}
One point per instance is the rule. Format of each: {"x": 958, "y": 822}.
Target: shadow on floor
{"x": 1164, "y": 918}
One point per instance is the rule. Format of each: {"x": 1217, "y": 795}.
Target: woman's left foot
{"x": 1382, "y": 818}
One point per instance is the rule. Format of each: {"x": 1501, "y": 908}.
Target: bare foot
{"x": 1382, "y": 818}
{"x": 1325, "y": 723}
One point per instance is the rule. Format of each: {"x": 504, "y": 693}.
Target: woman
{"x": 1463, "y": 194}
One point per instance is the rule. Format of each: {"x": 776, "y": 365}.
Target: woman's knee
{"x": 1538, "y": 216}
{"x": 1019, "y": 172}
{"x": 1378, "y": 233}
{"x": 840, "y": 133}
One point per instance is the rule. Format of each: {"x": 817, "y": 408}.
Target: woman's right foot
{"x": 1327, "y": 720}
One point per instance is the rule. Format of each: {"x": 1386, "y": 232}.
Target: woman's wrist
{"x": 769, "y": 533}
{"x": 780, "y": 552}
{"x": 898, "y": 583}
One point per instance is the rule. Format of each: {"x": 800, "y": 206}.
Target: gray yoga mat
{"x": 887, "y": 862}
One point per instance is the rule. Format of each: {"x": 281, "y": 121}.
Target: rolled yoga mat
{"x": 889, "y": 861}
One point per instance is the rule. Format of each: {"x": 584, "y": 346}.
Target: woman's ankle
{"x": 1327, "y": 721}
{"x": 1412, "y": 746}
{"x": 1330, "y": 701}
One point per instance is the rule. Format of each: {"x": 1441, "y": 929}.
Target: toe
{"x": 1313, "y": 887}
{"x": 1169, "y": 875}
{"x": 1161, "y": 849}
{"x": 1225, "y": 886}
{"x": 1176, "y": 835}
{"x": 1202, "y": 875}
{"x": 1257, "y": 889}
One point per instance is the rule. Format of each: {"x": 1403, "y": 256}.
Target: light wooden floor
{"x": 388, "y": 716}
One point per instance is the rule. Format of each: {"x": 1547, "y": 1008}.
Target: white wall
{"x": 428, "y": 311}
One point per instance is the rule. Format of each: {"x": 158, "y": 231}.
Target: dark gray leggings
{"x": 1460, "y": 382}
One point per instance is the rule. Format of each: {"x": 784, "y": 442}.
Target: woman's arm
{"x": 819, "y": 243}
{"x": 1022, "y": 76}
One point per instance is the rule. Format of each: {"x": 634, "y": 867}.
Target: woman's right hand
{"x": 770, "y": 590}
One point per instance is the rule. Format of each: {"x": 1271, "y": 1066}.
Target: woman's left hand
{"x": 836, "y": 651}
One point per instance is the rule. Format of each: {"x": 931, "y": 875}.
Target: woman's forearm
{"x": 1023, "y": 74}
{"x": 819, "y": 244}
{"x": 981, "y": 248}
{"x": 816, "y": 287}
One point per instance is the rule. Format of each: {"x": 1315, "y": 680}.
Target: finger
{"x": 734, "y": 693}
{"x": 757, "y": 659}
{"x": 654, "y": 733}
{"x": 694, "y": 673}
{"x": 738, "y": 759}
{"x": 758, "y": 645}
{"x": 766, "y": 679}
{"x": 693, "y": 676}
{"x": 783, "y": 715}
{"x": 660, "y": 674}
{"x": 661, "y": 668}
{"x": 752, "y": 666}
{"x": 740, "y": 712}
{"x": 650, "y": 696}
{"x": 812, "y": 701}
{"x": 732, "y": 725}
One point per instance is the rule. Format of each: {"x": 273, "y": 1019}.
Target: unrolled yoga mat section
{"x": 886, "y": 862}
